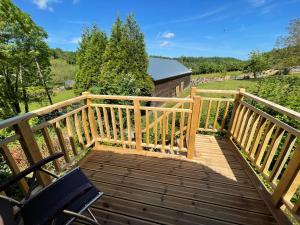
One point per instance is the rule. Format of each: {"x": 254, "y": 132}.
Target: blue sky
{"x": 172, "y": 28}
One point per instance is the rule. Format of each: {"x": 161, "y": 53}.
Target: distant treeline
{"x": 69, "y": 56}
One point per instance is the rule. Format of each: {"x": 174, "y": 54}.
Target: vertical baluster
{"x": 85, "y": 126}
{"x": 137, "y": 125}
{"x": 257, "y": 138}
{"x": 147, "y": 127}
{"x": 78, "y": 130}
{"x": 106, "y": 122}
{"x": 128, "y": 126}
{"x": 155, "y": 128}
{"x": 253, "y": 129}
{"x": 50, "y": 147}
{"x": 164, "y": 131}
{"x": 217, "y": 115}
{"x": 70, "y": 134}
{"x": 113, "y": 121}
{"x": 100, "y": 122}
{"x": 121, "y": 126}
{"x": 208, "y": 114}
{"x": 181, "y": 130}
{"x": 225, "y": 116}
{"x": 173, "y": 131}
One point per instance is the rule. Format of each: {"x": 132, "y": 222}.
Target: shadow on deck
{"x": 213, "y": 188}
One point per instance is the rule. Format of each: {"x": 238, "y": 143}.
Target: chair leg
{"x": 82, "y": 217}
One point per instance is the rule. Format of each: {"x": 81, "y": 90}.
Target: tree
{"x": 90, "y": 58}
{"x": 257, "y": 63}
{"x": 293, "y": 36}
{"x": 20, "y": 41}
{"x": 125, "y": 62}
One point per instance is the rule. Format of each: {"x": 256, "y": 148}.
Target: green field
{"x": 217, "y": 75}
{"x": 56, "y": 97}
{"x": 62, "y": 71}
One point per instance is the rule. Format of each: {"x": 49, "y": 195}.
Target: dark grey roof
{"x": 164, "y": 68}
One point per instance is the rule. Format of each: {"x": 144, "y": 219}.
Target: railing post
{"x": 192, "y": 94}
{"x": 91, "y": 117}
{"x": 31, "y": 149}
{"x": 193, "y": 126}
{"x": 288, "y": 177}
{"x": 137, "y": 124}
{"x": 238, "y": 97}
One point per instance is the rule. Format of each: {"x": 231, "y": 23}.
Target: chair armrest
{"x": 5, "y": 184}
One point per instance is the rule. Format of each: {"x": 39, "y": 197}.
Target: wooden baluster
{"x": 13, "y": 167}
{"x": 85, "y": 126}
{"x": 62, "y": 142}
{"x": 208, "y": 114}
{"x": 106, "y": 122}
{"x": 70, "y": 134}
{"x": 247, "y": 129}
{"x": 121, "y": 126}
{"x": 128, "y": 126}
{"x": 217, "y": 115}
{"x": 78, "y": 130}
{"x": 181, "y": 130}
{"x": 50, "y": 147}
{"x": 272, "y": 150}
{"x": 245, "y": 119}
{"x": 287, "y": 178}
{"x": 238, "y": 97}
{"x": 167, "y": 123}
{"x": 253, "y": 129}
{"x": 265, "y": 141}
{"x": 91, "y": 119}
{"x": 164, "y": 132}
{"x": 200, "y": 113}
{"x": 155, "y": 128}
{"x": 257, "y": 138}
{"x": 31, "y": 149}
{"x": 283, "y": 156}
{"x": 100, "y": 122}
{"x": 137, "y": 125}
{"x": 225, "y": 116}
{"x": 147, "y": 128}
{"x": 193, "y": 126}
{"x": 173, "y": 131}
{"x": 113, "y": 119}
{"x": 236, "y": 131}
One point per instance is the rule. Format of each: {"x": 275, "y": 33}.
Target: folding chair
{"x": 61, "y": 202}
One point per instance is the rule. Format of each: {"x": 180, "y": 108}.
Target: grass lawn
{"x": 57, "y": 97}
{"x": 217, "y": 75}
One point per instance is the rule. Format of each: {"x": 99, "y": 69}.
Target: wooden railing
{"x": 270, "y": 145}
{"x": 131, "y": 122}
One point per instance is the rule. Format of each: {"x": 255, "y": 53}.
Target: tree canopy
{"x": 90, "y": 58}
{"x": 24, "y": 58}
{"x": 114, "y": 66}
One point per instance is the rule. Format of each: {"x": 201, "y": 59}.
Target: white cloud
{"x": 168, "y": 35}
{"x": 75, "y": 40}
{"x": 164, "y": 44}
{"x": 258, "y": 3}
{"x": 45, "y": 4}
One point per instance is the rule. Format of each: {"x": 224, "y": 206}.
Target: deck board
{"x": 211, "y": 189}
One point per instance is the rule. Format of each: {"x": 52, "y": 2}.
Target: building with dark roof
{"x": 170, "y": 76}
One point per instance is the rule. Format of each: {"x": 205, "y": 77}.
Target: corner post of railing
{"x": 91, "y": 116}
{"x": 31, "y": 148}
{"x": 193, "y": 126}
{"x": 192, "y": 94}
{"x": 137, "y": 124}
{"x": 238, "y": 97}
{"x": 288, "y": 177}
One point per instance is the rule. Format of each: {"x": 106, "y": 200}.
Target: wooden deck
{"x": 212, "y": 189}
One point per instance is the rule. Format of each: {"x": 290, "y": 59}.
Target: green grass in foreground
{"x": 56, "y": 97}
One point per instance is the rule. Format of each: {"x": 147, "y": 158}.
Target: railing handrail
{"x": 279, "y": 108}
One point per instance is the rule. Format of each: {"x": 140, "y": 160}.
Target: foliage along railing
{"x": 270, "y": 145}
